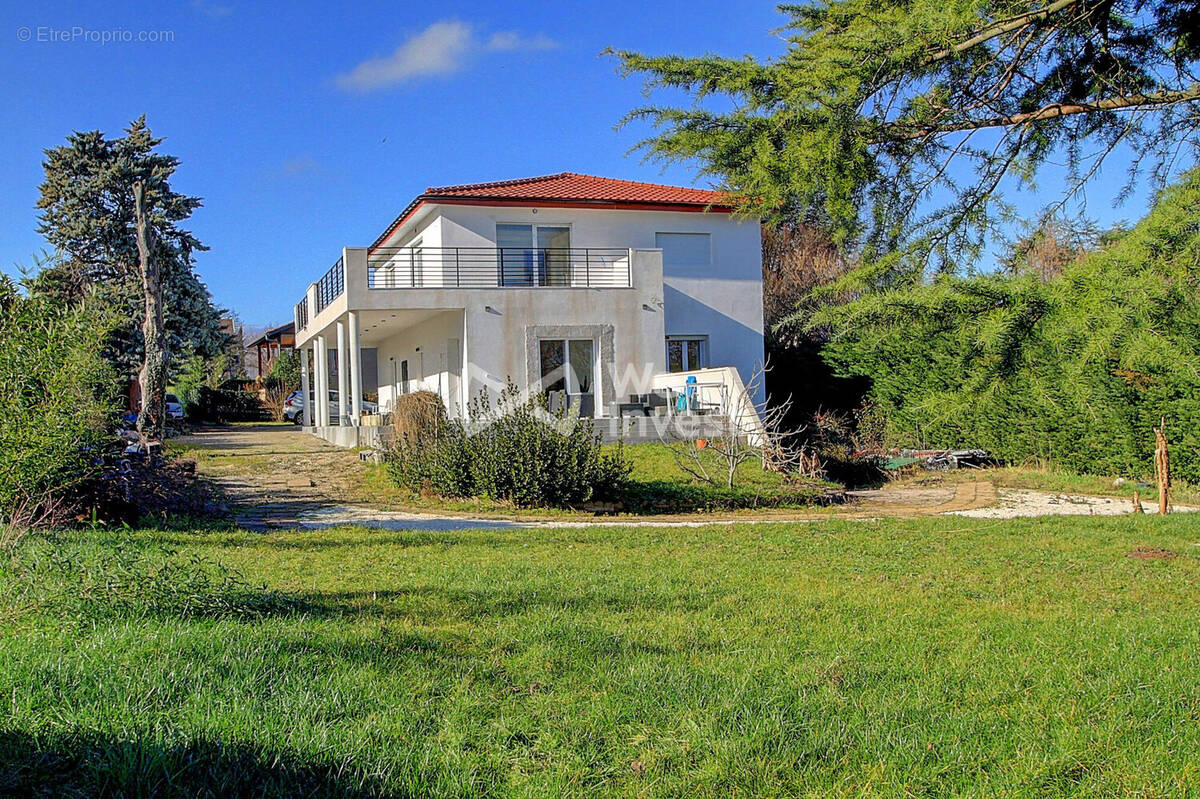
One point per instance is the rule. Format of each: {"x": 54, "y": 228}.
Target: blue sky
{"x": 295, "y": 152}
{"x": 307, "y": 126}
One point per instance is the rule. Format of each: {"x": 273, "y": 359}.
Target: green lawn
{"x": 900, "y": 658}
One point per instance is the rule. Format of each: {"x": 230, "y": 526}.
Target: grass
{"x": 377, "y": 487}
{"x": 656, "y": 462}
{"x": 659, "y": 484}
{"x": 898, "y": 658}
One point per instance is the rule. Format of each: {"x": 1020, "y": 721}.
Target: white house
{"x": 593, "y": 289}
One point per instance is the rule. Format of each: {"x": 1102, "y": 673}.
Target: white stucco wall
{"x": 722, "y": 301}
{"x": 494, "y": 325}
{"x": 434, "y": 367}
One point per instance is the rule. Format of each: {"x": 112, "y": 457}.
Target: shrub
{"x": 515, "y": 452}
{"x": 194, "y": 373}
{"x": 417, "y": 418}
{"x": 58, "y": 405}
{"x": 282, "y": 380}
{"x": 226, "y": 405}
{"x": 1077, "y": 370}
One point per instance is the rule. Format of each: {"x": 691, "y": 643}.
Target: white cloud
{"x": 511, "y": 41}
{"x": 441, "y": 49}
{"x": 212, "y": 9}
{"x": 298, "y": 166}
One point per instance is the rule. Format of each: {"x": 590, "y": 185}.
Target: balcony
{"x": 425, "y": 278}
{"x": 497, "y": 267}
{"x": 331, "y": 285}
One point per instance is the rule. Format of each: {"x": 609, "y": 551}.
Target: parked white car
{"x": 174, "y": 407}
{"x": 293, "y": 407}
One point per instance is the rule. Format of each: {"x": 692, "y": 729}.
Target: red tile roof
{"x": 587, "y": 188}
{"x": 570, "y": 190}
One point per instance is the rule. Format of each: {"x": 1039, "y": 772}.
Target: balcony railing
{"x": 331, "y": 286}
{"x": 495, "y": 267}
{"x": 302, "y": 314}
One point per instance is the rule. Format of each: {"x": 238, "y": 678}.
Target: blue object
{"x": 691, "y": 391}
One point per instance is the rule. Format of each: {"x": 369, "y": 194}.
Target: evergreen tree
{"x": 87, "y": 214}
{"x": 894, "y": 122}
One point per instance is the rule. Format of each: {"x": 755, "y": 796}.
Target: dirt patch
{"x": 1023, "y": 503}
{"x": 270, "y": 474}
{"x": 1152, "y": 553}
{"x": 926, "y": 497}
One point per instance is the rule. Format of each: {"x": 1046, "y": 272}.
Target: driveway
{"x": 273, "y": 475}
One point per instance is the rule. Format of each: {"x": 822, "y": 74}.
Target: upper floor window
{"x": 685, "y": 253}
{"x": 534, "y": 255}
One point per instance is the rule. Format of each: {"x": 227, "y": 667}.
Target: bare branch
{"x": 902, "y": 130}
{"x": 1000, "y": 28}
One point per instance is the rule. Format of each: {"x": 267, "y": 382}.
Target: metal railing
{"x": 496, "y": 267}
{"x": 302, "y": 314}
{"x": 331, "y": 286}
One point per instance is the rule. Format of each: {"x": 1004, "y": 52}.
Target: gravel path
{"x": 273, "y": 475}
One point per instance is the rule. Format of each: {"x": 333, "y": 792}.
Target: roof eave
{"x": 540, "y": 202}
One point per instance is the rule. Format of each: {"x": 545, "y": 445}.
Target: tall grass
{"x": 929, "y": 657}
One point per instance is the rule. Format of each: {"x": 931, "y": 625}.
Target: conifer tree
{"x": 88, "y": 213}
{"x": 897, "y": 123}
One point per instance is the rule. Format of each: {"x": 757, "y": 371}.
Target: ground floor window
{"x": 568, "y": 367}
{"x": 687, "y": 353}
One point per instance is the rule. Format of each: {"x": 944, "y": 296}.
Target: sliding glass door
{"x": 568, "y": 372}
{"x": 534, "y": 255}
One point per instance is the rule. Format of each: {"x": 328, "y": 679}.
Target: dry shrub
{"x": 418, "y": 417}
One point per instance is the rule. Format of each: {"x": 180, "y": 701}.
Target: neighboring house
{"x": 590, "y": 288}
{"x": 235, "y": 366}
{"x": 268, "y": 346}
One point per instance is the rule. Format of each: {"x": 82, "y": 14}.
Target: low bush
{"x": 515, "y": 452}
{"x": 418, "y": 418}
{"x": 132, "y": 491}
{"x": 58, "y": 406}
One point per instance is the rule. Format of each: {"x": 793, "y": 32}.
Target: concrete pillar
{"x": 322, "y": 399}
{"x": 316, "y": 381}
{"x": 343, "y": 375}
{"x": 355, "y": 371}
{"x": 307, "y": 413}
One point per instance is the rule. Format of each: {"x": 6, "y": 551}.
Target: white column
{"x": 355, "y": 371}
{"x": 307, "y": 412}
{"x": 322, "y": 398}
{"x": 343, "y": 375}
